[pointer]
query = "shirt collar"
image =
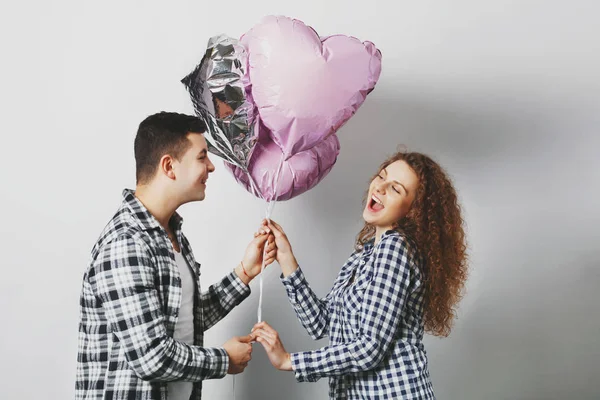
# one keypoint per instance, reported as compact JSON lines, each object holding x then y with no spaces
{"x":141,"y":214}
{"x":368,"y":247}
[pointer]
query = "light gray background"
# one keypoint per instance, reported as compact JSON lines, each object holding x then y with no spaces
{"x":504,"y":94}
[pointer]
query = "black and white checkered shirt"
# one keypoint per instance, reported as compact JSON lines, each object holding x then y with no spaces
{"x":129,"y":306}
{"x":373,"y":316}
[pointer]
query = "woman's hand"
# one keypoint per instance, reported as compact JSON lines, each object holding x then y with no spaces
{"x":284,"y":255}
{"x":269,"y":338}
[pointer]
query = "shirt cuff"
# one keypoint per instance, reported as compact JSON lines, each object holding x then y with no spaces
{"x":238,"y":290}
{"x":301,"y":365}
{"x":218,"y":361}
{"x":293,"y":282}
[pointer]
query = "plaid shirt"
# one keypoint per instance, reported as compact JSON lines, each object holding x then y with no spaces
{"x":129,"y":306}
{"x":374,"y":324}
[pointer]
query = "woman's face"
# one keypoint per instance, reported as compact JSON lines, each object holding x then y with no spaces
{"x":391,"y":194}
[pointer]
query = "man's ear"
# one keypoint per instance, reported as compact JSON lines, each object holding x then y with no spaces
{"x":165,"y":166}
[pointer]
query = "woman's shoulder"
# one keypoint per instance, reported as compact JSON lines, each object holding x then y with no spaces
{"x":395,"y":243}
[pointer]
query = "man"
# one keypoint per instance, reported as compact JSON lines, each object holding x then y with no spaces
{"x":143,"y":316}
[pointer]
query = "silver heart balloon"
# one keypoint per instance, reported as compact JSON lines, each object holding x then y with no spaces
{"x":217,"y":87}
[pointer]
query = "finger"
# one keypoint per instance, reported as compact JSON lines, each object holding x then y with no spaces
{"x":269,"y":341}
{"x":269,"y":329}
{"x":264,"y":336}
{"x":260,"y":241}
{"x":258,"y":325}
{"x":269,"y":261}
{"x":276,"y":225}
{"x":262,"y":332}
{"x":245,"y":339}
{"x":268,"y":346}
{"x":272,"y":253}
{"x":264,"y":226}
{"x":264,"y":325}
{"x":278,"y":233}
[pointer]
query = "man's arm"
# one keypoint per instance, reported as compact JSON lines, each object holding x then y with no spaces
{"x":123,"y":279}
{"x":222,"y":297}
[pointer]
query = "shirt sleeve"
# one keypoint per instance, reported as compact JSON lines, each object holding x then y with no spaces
{"x":312,"y":312}
{"x":221,"y":298}
{"x":123,"y":278}
{"x":380,"y":315}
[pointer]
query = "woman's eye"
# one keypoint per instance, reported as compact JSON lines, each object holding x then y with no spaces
{"x":396,"y":190}
{"x":380,"y":177}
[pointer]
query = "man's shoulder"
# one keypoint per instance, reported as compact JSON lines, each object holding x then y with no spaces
{"x":121,"y":226}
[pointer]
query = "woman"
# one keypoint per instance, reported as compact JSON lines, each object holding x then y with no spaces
{"x":405,"y":277}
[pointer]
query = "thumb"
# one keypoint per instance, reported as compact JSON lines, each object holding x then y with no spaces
{"x":277,"y":232}
{"x":246,"y":339}
{"x":259,"y":241}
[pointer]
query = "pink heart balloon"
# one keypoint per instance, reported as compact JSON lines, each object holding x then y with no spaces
{"x":298,"y":174}
{"x":305,"y":87}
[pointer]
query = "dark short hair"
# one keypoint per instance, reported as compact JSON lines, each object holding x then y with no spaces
{"x":160,"y":134}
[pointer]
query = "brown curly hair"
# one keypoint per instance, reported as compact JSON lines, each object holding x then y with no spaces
{"x":435,"y":224}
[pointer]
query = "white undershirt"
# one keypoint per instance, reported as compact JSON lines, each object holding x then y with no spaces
{"x":184,"y":328}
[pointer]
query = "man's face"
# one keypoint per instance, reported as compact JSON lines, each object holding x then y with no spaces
{"x":192,"y":169}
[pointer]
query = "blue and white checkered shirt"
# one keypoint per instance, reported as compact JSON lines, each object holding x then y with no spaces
{"x":373,"y":316}
{"x":129,"y":307}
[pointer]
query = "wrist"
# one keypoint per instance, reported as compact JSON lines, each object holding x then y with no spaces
{"x":287,"y":364}
{"x":288,"y":264}
{"x":242,"y":273}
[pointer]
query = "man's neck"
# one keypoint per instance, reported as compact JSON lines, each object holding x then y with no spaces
{"x":158,"y":202}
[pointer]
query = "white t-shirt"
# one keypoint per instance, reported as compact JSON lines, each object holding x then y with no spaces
{"x":184,"y":328}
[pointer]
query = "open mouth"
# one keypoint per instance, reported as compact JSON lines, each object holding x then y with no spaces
{"x":375,"y":204}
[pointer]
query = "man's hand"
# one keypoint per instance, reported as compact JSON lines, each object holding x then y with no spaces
{"x":253,"y":258}
{"x":239,"y":351}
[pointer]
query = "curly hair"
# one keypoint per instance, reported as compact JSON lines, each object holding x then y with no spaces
{"x":435,"y":224}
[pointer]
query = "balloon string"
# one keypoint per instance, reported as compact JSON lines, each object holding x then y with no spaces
{"x":269,"y":211}
{"x":270,"y":207}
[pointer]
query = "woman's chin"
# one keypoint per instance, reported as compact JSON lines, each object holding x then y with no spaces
{"x":368,"y":217}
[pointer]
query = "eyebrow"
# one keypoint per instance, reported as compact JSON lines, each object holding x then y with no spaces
{"x":403,"y":187}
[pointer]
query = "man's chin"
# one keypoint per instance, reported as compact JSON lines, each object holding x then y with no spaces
{"x":195,"y":197}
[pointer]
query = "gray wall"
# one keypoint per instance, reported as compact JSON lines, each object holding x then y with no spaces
{"x":504,"y":94}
